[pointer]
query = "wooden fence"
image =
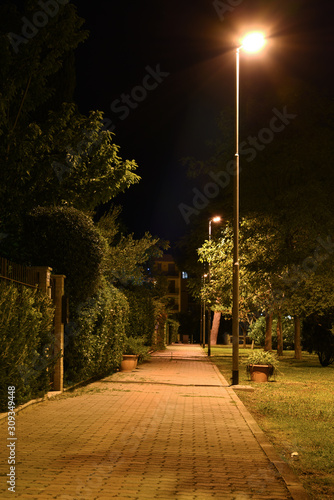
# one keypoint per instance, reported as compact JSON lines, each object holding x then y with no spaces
{"x":16,"y":273}
{"x":53,"y":287}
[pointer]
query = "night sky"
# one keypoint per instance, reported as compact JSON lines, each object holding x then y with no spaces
{"x":190,"y":45}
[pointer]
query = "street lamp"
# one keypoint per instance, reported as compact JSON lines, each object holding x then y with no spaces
{"x":252,"y":42}
{"x":214,"y":219}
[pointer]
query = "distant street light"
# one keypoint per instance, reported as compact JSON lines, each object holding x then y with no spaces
{"x":214,"y":219}
{"x":252,"y":42}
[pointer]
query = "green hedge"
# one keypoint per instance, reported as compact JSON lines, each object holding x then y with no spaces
{"x":95,"y":336}
{"x":66,"y":240}
{"x":318,"y":336}
{"x":142,"y":313}
{"x":26,"y":339}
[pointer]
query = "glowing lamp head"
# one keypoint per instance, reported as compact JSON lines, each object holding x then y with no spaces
{"x":216,"y":219}
{"x":253,"y":42}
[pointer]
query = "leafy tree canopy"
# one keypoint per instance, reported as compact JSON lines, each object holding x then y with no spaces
{"x":286,"y":186}
{"x":276,"y":274}
{"x":50,"y":154}
{"x":35,"y":75}
{"x":128,"y":259}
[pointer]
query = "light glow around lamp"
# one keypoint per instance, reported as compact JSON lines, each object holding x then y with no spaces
{"x":253,"y":42}
{"x":216,"y":219}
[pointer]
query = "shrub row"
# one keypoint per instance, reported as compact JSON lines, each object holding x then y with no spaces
{"x":26,"y":356}
{"x":101,"y":316}
{"x":142,"y":313}
{"x":94,"y":339}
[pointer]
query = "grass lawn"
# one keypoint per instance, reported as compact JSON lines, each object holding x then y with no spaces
{"x":296,"y":411}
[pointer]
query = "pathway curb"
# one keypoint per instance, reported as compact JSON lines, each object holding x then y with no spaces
{"x":291,"y":480}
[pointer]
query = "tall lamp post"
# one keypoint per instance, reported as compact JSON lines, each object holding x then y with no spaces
{"x":203,"y":312}
{"x":214,"y":219}
{"x":252,"y":42}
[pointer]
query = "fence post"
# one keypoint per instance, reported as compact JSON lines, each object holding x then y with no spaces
{"x":58,"y":376}
{"x":44,"y":279}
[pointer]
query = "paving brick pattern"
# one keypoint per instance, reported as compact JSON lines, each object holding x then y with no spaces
{"x":171,"y":429}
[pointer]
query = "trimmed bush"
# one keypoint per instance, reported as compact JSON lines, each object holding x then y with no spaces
{"x":66,"y":240}
{"x":324,"y":346}
{"x":173,"y":328}
{"x":95,"y":337}
{"x":318,"y":337}
{"x":26,"y":339}
{"x":142,"y":313}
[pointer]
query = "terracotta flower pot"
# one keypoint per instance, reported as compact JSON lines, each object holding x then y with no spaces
{"x":129,"y":362}
{"x":260,"y":373}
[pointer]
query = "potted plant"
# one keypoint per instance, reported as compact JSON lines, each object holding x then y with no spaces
{"x":261,"y":365}
{"x":134,"y":350}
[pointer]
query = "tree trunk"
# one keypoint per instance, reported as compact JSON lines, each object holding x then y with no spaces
{"x":244,"y":333}
{"x":268,"y":345}
{"x":215,"y":327}
{"x":298,"y":347}
{"x":279,"y":335}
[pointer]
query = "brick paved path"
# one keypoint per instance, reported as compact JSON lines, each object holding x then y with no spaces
{"x":171,"y":429}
